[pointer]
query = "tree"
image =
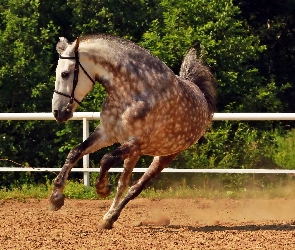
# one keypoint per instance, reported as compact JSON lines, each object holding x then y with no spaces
{"x":232,"y":51}
{"x":25,"y":71}
{"x":29,"y":31}
{"x":251,"y":60}
{"x":274,"y":22}
{"x":225,"y":43}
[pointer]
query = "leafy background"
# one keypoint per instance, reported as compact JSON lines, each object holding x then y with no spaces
{"x":248,"y":45}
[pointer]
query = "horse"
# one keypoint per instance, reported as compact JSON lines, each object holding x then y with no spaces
{"x":148,"y":110}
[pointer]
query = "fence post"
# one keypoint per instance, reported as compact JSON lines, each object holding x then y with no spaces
{"x":86,"y":157}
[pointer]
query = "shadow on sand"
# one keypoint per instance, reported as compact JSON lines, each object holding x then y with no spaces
{"x":249,"y":227}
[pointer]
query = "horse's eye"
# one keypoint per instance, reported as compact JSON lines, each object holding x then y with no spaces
{"x":65,"y":75}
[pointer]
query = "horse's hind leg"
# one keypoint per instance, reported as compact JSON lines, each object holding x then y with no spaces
{"x":94,"y":142}
{"x":124,"y":180}
{"x":129,"y":152}
{"x":158,"y":164}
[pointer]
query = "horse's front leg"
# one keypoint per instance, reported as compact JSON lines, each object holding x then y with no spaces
{"x":94,"y":142}
{"x":158,"y":164}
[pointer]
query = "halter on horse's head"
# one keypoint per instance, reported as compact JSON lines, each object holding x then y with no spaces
{"x":63,"y":76}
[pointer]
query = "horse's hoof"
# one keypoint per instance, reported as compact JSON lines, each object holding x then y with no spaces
{"x":105,"y":225}
{"x":103,"y":193}
{"x":56,"y":201}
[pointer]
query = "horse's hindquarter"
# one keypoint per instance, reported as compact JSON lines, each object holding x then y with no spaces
{"x":178,"y":121}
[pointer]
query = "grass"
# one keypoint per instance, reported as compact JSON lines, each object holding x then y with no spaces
{"x":284,"y":191}
{"x":285,"y":152}
{"x":76,"y":190}
{"x":25,"y":192}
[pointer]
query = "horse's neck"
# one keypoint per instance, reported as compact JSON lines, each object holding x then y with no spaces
{"x":101,"y":65}
{"x":126,"y":75}
{"x":113,"y":74}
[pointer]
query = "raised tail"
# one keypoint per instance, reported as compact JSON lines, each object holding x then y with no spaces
{"x":192,"y":69}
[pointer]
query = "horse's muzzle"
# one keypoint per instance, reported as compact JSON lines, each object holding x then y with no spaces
{"x":62,"y":115}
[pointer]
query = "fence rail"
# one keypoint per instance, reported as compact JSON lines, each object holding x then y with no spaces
{"x":96,"y":116}
{"x":87,"y":116}
{"x":47,"y":116}
{"x":166,"y":170}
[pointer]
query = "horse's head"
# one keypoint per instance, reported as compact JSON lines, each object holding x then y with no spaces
{"x":70,"y":86}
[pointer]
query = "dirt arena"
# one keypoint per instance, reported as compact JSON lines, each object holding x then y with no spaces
{"x":150,"y":224}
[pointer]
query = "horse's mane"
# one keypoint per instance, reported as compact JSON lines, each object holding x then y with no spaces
{"x":118,"y":40}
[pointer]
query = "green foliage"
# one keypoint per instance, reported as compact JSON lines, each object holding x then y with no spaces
{"x":248,"y":45}
{"x":76,"y":190}
{"x":230,"y":145}
{"x":26,"y":45}
{"x":26,"y":191}
{"x":127,"y":19}
{"x":25,"y":51}
{"x":274,"y":23}
{"x":224,"y":42}
{"x":284,"y":155}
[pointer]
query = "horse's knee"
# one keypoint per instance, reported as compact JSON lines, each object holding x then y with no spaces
{"x":75,"y":154}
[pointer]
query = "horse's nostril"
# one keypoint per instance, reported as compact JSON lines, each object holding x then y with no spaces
{"x":55,"y":113}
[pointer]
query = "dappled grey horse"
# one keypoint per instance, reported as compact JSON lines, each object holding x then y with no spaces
{"x":148,"y":110}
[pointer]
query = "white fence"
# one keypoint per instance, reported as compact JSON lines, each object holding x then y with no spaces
{"x":87,"y":116}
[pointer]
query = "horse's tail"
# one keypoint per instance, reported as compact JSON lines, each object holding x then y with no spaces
{"x":192,"y":69}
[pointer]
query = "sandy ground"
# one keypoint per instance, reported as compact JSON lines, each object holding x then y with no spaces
{"x":150,"y":224}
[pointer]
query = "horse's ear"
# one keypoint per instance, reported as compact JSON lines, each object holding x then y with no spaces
{"x":61,"y":45}
{"x":76,"y":44}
